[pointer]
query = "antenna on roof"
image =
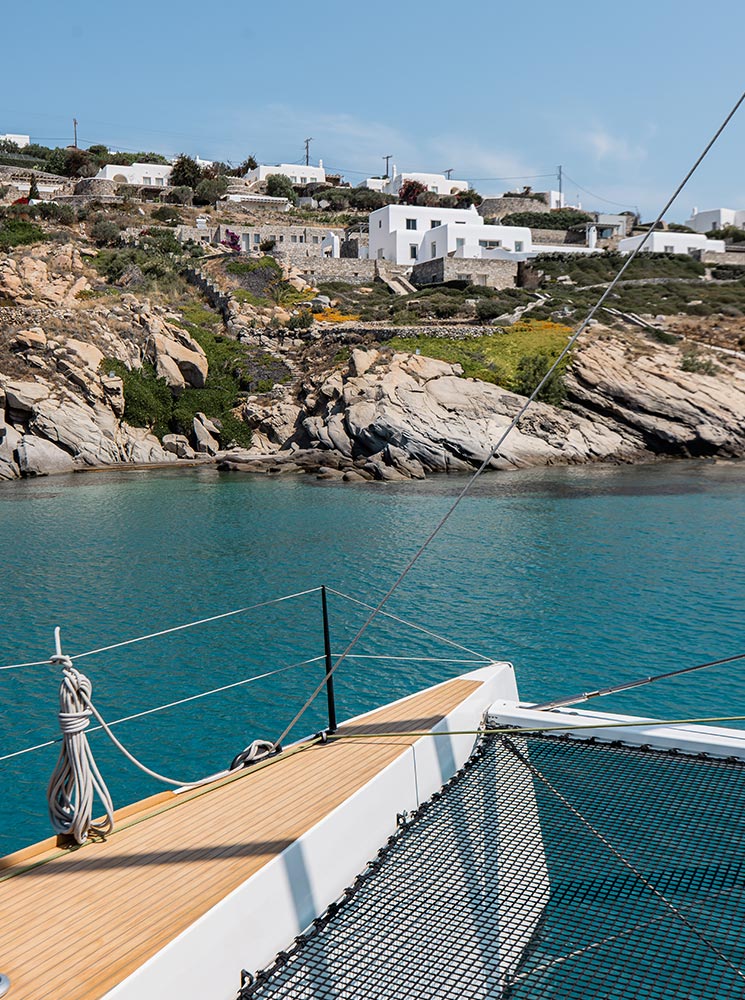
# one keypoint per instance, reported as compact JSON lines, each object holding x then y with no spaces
{"x":387,"y":161}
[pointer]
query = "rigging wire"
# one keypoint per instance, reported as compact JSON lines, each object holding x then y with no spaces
{"x":639,"y":682}
{"x":609,"y":201}
{"x":413,"y":560}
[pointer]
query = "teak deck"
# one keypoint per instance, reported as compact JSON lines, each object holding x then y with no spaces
{"x":77,"y":922}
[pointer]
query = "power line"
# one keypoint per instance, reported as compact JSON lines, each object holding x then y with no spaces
{"x":511,"y":426}
{"x":618,"y":204}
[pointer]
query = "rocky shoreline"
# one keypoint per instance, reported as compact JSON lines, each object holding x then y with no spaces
{"x":378,"y":416}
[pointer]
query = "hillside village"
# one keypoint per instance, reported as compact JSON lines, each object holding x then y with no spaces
{"x":155,"y":311}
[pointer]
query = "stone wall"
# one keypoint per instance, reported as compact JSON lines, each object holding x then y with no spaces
{"x":492,"y":273}
{"x":728,"y":257}
{"x":218,"y":299}
{"x":497,"y":208}
{"x":354,"y":272}
{"x":554,"y":236}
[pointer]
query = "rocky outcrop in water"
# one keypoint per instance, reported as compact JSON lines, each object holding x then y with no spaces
{"x":390,"y":415}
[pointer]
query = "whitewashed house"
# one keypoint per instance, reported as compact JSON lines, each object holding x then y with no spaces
{"x":410,"y":234}
{"x":436,"y":183}
{"x":140,"y":174}
{"x":667,"y":242}
{"x":297,"y":173}
{"x":716,"y":218}
{"x":19,"y":140}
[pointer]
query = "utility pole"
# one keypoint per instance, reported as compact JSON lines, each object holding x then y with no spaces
{"x":307,"y":151}
{"x":560,"y":175}
{"x":448,"y":172}
{"x":387,"y":161}
{"x":75,"y":131}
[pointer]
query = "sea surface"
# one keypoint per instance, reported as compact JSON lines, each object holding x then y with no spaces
{"x":582,"y":577}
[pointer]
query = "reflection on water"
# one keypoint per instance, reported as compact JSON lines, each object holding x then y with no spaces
{"x":580,"y":576}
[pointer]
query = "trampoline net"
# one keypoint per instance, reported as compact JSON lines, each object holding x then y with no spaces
{"x":547,"y":867}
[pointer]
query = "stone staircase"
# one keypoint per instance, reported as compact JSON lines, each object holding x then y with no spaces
{"x":397,"y":281}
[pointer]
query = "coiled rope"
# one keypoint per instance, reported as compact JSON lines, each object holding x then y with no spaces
{"x":76,"y":779}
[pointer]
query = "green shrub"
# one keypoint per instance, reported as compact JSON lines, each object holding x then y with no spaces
{"x":147,"y":398}
{"x":248,"y":266}
{"x":267,"y":245}
{"x":562,"y":218}
{"x":104,"y":232}
{"x":692,"y":361}
{"x":531,"y":368}
{"x":16,"y":232}
{"x":167,"y":215}
{"x":279,"y":186}
{"x":51,"y":211}
{"x":302,"y":320}
{"x":489,"y":309}
{"x":181,"y":194}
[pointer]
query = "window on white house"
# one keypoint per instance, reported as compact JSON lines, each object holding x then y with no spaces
{"x":159,"y":181}
{"x":490,"y":244}
{"x":669,"y":249}
{"x":413,"y":251}
{"x":518,"y":246}
{"x":460,"y":243}
{"x":411,"y":223}
{"x":147,"y":180}
{"x":435,"y":223}
{"x":434,"y":249}
{"x":380,"y":224}
{"x":692,"y":249}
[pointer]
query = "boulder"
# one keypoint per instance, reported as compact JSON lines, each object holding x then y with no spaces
{"x":29,"y":340}
{"x":178,"y":445}
{"x":167,"y":369}
{"x":38,"y":457}
{"x":24,"y":396}
{"x":191,"y":363}
{"x":9,"y":441}
{"x":206,"y":444}
{"x":84,"y":354}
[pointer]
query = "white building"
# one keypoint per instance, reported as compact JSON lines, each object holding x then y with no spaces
{"x":666,"y":242}
{"x":141,"y":174}
{"x":436,"y":183}
{"x":19,"y":140}
{"x":298,"y":173}
{"x":411,"y":234}
{"x":716,"y":218}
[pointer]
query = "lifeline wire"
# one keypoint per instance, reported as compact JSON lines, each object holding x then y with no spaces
{"x":170,"y":704}
{"x":168,"y":631}
{"x":511,"y":426}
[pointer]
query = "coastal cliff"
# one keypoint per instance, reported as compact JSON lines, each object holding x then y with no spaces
{"x":365,"y":411}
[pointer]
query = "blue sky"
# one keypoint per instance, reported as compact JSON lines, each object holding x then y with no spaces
{"x":623,"y":95}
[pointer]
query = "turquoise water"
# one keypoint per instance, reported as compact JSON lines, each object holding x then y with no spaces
{"x":582,"y":577}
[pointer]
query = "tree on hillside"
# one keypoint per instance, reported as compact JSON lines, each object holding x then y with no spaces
{"x":209,"y":190}
{"x":33,"y":191}
{"x":250,"y":163}
{"x":463,"y":199}
{"x":410,"y":191}
{"x":279,"y":186}
{"x":186,"y":172}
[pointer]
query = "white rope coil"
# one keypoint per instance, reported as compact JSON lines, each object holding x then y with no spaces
{"x":76,"y":780}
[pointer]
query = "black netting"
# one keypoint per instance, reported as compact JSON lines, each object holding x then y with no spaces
{"x":503,"y":887}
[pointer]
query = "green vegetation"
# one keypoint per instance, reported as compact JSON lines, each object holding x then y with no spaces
{"x":732,"y":234}
{"x":186,"y":172}
{"x":168,"y":215}
{"x":302,"y":320}
{"x":249,"y":266}
{"x":147,"y":399}
{"x":692,"y":361}
{"x":592,"y":269}
{"x":105,"y":232}
{"x":209,"y":190}
{"x":561,"y":218}
{"x":515,"y":358}
{"x":279,"y":186}
{"x":15,"y":232}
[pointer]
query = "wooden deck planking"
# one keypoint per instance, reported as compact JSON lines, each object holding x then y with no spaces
{"x":75,"y":925}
